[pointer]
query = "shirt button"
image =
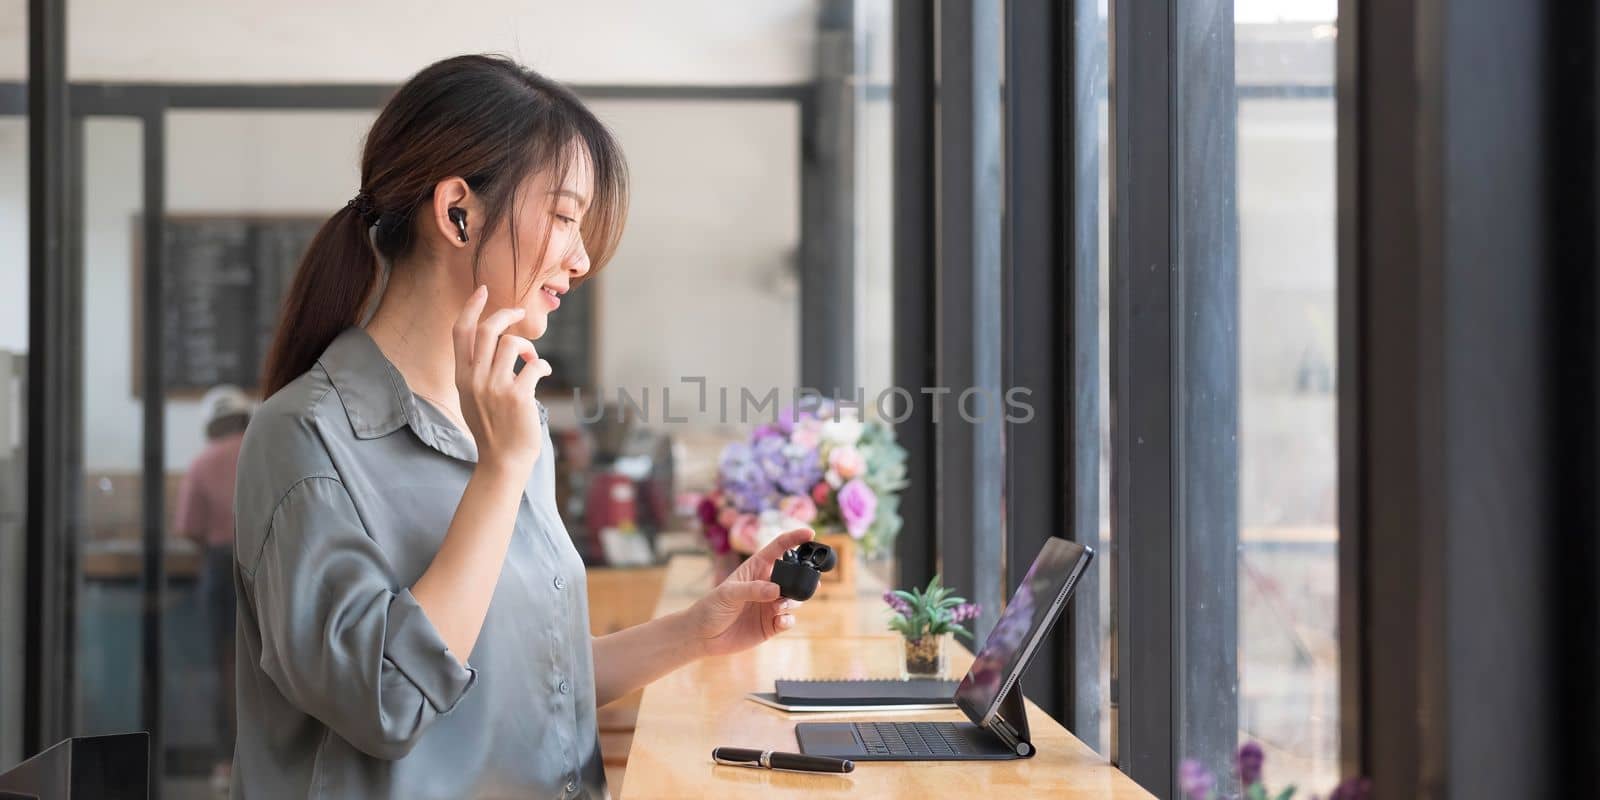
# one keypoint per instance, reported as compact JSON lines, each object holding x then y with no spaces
{"x":562,"y":687}
{"x":561,"y":583}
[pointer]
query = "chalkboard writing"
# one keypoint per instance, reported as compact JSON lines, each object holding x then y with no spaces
{"x":222,"y":290}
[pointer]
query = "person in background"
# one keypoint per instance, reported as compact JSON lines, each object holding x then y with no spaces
{"x":205,"y":515}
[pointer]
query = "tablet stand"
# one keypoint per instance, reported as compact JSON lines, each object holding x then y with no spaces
{"x":1010,"y":722}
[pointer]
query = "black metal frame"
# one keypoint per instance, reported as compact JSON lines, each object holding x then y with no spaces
{"x":1174,"y":384}
{"x":1144,"y":564}
{"x":154,"y":440}
{"x":916,"y":550}
{"x":827,"y":198}
{"x":1467,"y":240}
{"x":52,"y":383}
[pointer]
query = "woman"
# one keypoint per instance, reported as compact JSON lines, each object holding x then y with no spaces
{"x":412,"y":613}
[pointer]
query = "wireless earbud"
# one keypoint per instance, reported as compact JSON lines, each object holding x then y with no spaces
{"x":800,"y":570}
{"x":459,"y":217}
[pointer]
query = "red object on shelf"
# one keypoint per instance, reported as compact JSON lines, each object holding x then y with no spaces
{"x":613,"y":502}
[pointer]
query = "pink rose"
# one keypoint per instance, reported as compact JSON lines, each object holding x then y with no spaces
{"x":799,"y":508}
{"x":859,"y":507}
{"x":745,"y":534}
{"x":805,"y":437}
{"x":821,"y":494}
{"x":847,"y":461}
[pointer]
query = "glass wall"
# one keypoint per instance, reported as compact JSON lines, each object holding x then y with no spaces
{"x":112,"y":487}
{"x":13,"y":371}
{"x":1288,"y":521}
{"x":707,"y":281}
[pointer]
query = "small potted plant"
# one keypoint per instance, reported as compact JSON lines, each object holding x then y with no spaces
{"x":924,"y":618}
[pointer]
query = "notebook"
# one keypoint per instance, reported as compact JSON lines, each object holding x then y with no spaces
{"x":865,"y":692}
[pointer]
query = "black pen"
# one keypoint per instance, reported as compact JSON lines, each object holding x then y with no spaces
{"x":791,"y":762}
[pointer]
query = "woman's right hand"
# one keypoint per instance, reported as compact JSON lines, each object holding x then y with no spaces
{"x":496,"y":401}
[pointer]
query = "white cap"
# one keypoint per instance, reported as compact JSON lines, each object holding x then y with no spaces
{"x":225,"y":401}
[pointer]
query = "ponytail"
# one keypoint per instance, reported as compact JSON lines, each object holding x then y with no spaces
{"x":331,"y":286}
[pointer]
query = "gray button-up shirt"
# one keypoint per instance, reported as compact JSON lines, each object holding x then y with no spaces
{"x":347,"y":484}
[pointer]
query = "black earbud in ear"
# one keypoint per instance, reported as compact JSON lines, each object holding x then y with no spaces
{"x":800,"y":570}
{"x":459,"y":217}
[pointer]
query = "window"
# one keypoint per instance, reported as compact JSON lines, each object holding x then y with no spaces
{"x":13,"y":369}
{"x":1288,"y":485}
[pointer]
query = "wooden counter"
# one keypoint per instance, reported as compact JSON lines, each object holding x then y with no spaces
{"x":838,"y":634}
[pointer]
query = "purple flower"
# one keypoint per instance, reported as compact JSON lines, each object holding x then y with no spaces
{"x":964,"y":612}
{"x":1352,"y":789}
{"x":789,"y":467}
{"x":859,"y":507}
{"x":744,"y":483}
{"x":1249,"y":762}
{"x":899,"y":605}
{"x":810,"y":408}
{"x":1194,"y":780}
{"x":765,"y":430}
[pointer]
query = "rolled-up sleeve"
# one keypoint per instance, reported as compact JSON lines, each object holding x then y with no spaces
{"x":341,"y":638}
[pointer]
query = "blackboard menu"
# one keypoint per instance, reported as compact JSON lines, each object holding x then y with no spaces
{"x":222,"y":284}
{"x":222,"y":290}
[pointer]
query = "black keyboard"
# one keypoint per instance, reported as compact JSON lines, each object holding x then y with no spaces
{"x":913,"y":738}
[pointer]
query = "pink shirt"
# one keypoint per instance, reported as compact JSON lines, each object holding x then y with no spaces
{"x":205,"y":498}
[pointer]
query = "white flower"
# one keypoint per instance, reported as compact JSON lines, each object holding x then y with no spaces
{"x":774,"y":522}
{"x":844,"y":430}
{"x":833,"y":478}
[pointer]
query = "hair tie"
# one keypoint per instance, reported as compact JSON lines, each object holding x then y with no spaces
{"x":362,"y":204}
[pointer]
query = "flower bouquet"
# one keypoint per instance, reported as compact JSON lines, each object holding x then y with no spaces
{"x":817,"y":465}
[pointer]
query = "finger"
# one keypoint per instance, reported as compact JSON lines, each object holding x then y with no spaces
{"x":750,"y":591}
{"x":467,"y":325}
{"x":488,"y":335}
{"x":784,"y":542}
{"x":528,"y":379}
{"x":783,"y":622}
{"x":509,"y":348}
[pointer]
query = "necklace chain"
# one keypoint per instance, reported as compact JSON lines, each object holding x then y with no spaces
{"x":445,"y":409}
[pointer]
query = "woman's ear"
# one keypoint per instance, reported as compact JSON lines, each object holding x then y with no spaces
{"x":451,"y":193}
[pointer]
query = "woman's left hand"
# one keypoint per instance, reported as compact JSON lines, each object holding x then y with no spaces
{"x":745,"y":610}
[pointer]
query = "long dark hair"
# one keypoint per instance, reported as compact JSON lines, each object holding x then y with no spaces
{"x":482,"y":118}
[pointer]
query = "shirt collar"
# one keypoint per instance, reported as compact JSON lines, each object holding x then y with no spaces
{"x":377,"y":400}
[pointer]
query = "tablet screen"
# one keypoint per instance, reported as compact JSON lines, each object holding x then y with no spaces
{"x":1026,"y":620}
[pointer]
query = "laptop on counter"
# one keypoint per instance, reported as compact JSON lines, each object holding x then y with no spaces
{"x":989,"y":695}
